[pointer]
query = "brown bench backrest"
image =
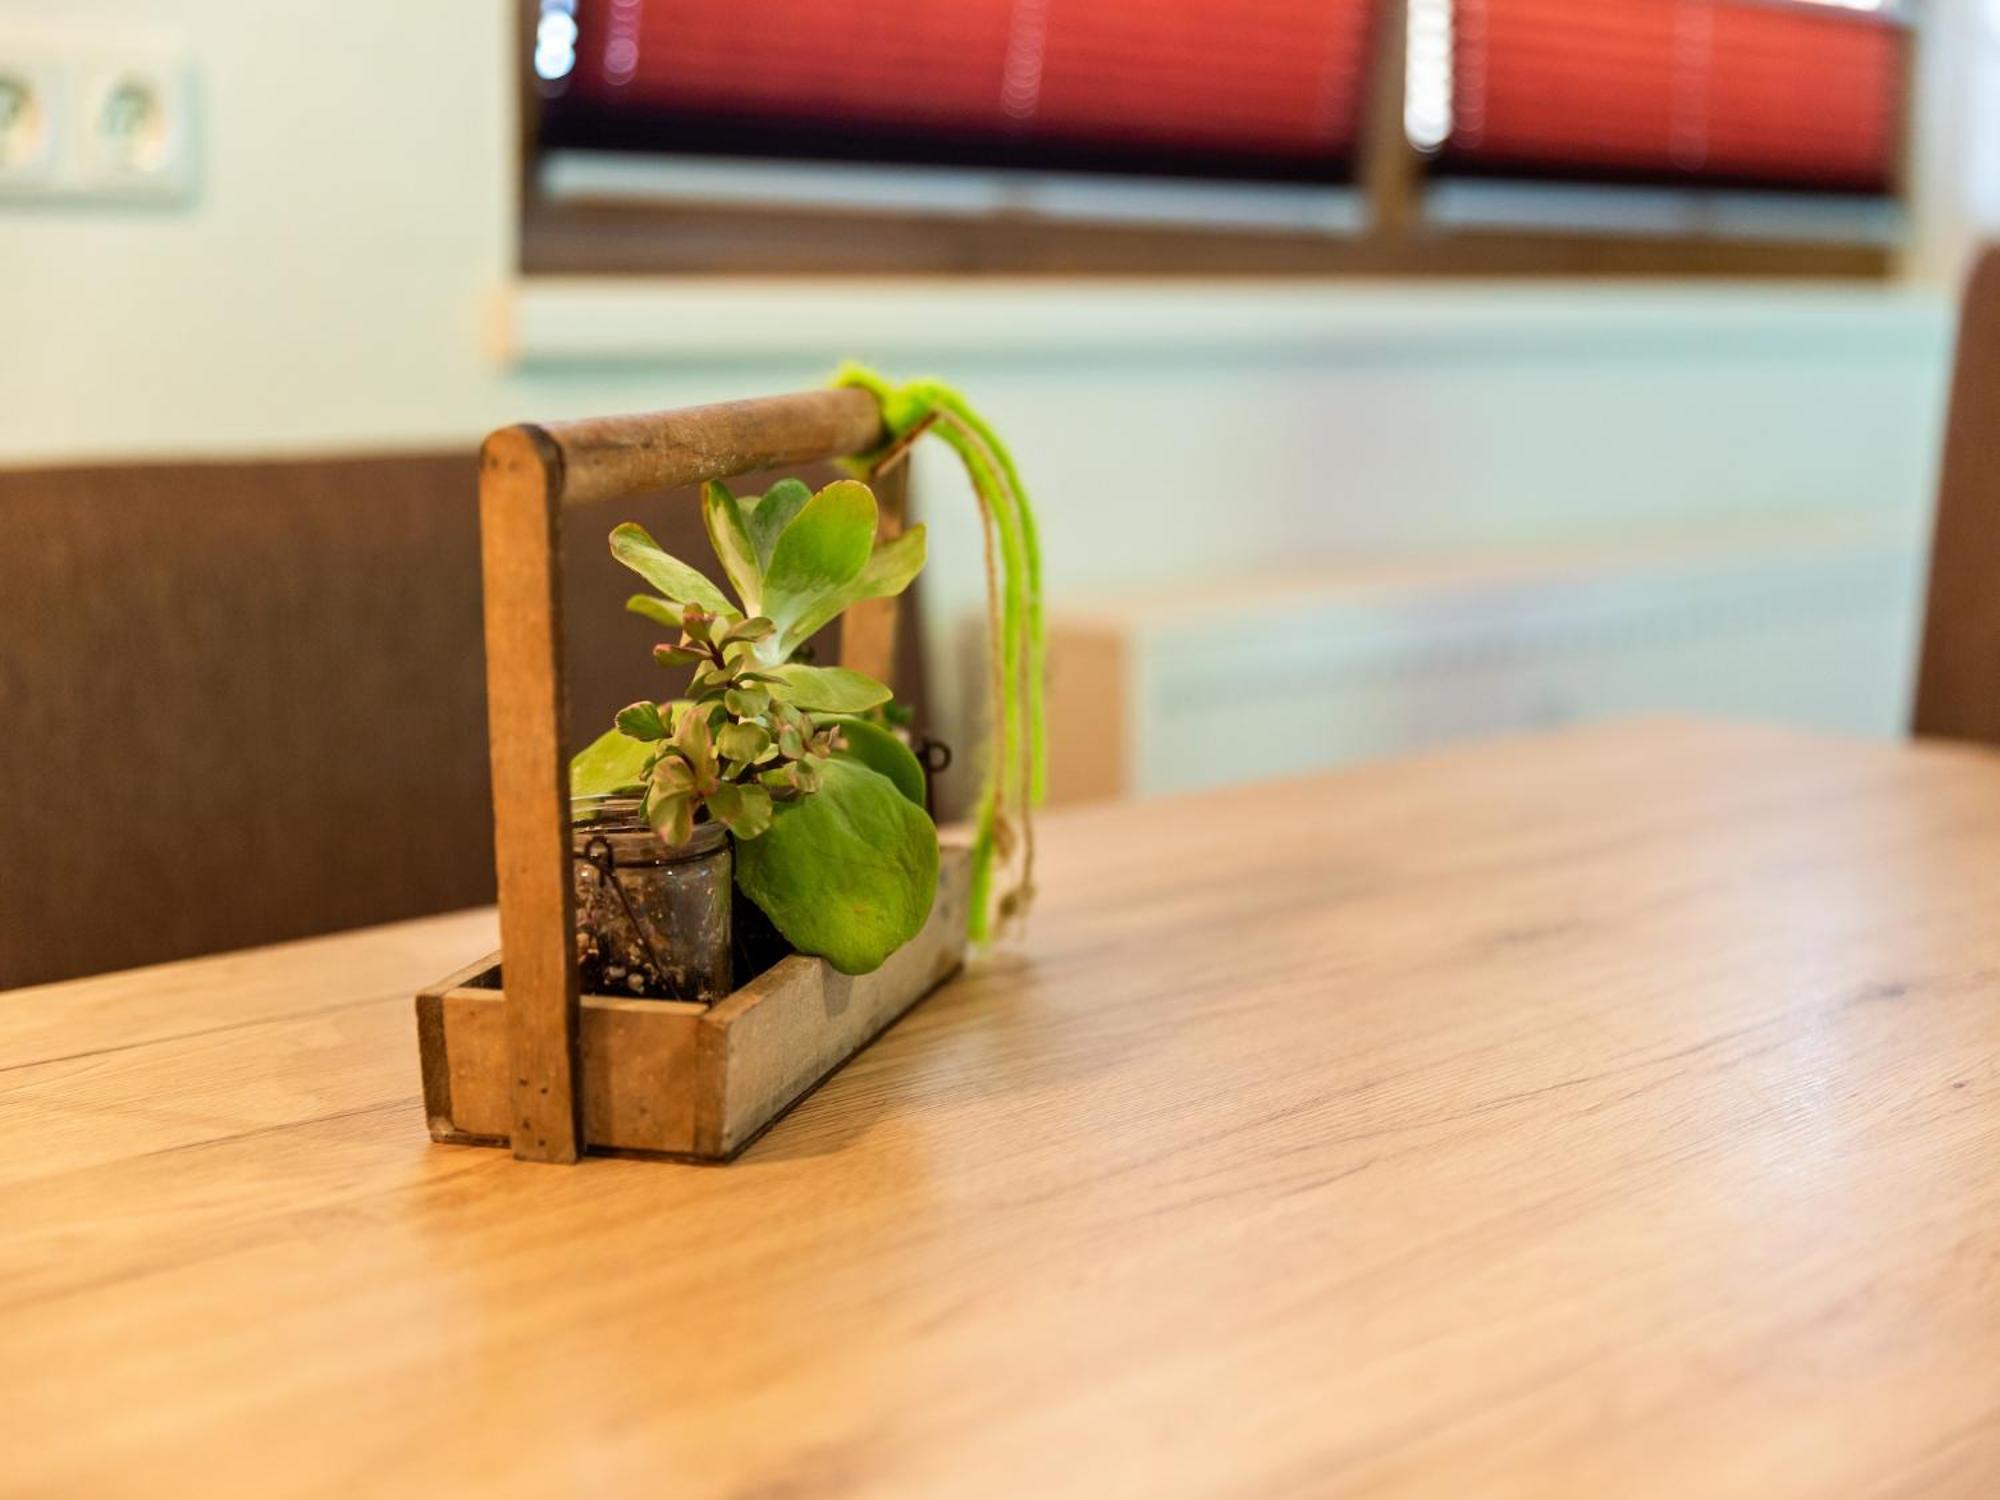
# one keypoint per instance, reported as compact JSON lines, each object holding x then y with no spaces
{"x":245,"y":702}
{"x":1958,"y":681}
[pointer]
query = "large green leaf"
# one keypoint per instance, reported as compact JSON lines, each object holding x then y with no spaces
{"x":730,"y":538}
{"x":880,"y":751}
{"x":829,"y":690}
{"x":848,"y":873}
{"x":766,"y":519}
{"x":822,"y":551}
{"x":888,"y":571}
{"x":633,"y":546}
{"x":613,"y":762}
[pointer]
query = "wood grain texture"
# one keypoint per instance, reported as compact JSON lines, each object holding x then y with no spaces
{"x":665,"y":1077}
{"x":1958,"y":677}
{"x":179,"y":586}
{"x":520,"y":482}
{"x":1607,"y":1114}
{"x":774,"y":1040}
{"x":608,"y":457}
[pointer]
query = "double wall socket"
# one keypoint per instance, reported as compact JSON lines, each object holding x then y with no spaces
{"x":93,"y":119}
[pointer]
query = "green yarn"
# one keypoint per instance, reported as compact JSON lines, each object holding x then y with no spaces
{"x":1010,"y":778}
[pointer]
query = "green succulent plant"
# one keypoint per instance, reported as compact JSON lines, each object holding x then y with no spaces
{"x":826,"y":809}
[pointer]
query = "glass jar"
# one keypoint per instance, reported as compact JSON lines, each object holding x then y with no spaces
{"x":652,"y":919}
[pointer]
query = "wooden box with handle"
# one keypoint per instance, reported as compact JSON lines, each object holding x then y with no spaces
{"x":512,"y":1053}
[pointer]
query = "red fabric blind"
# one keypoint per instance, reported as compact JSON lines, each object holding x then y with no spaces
{"x":1712,"y":90}
{"x":1269,"y":78}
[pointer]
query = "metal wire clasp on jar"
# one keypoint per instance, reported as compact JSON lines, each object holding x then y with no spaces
{"x":652,"y":919}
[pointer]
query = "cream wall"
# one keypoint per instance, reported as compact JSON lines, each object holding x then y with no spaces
{"x":330,"y":283}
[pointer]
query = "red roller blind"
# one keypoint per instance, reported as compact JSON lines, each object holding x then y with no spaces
{"x":1712,"y":90}
{"x":1267,"y":78}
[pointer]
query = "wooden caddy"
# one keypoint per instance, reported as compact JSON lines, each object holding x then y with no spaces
{"x":535,"y":1064}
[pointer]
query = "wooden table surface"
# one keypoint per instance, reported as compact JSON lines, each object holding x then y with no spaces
{"x":1615,"y":1113}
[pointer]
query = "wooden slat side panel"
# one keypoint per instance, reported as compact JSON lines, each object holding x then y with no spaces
{"x":1958,"y":682}
{"x":435,"y":1061}
{"x":520,"y":473}
{"x":774,"y":1042}
{"x":640,"y":1074}
{"x":792,"y":988}
{"x":473,"y":1025}
{"x":608,"y":457}
{"x":434,"y":1050}
{"x":480,"y":974}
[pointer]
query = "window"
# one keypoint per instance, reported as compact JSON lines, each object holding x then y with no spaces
{"x":1743,"y":93}
{"x":1269,"y":136}
{"x":1257,"y":89}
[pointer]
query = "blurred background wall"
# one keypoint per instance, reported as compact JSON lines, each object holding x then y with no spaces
{"x":343,"y":279}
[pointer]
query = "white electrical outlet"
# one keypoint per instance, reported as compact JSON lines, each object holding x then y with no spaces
{"x":94,"y":118}
{"x":34,"y":123}
{"x":134,"y":127}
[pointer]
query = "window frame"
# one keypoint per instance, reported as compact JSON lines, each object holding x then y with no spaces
{"x":578,"y":234}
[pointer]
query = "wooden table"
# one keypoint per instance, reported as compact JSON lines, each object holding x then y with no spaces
{"x":1614,"y":1113}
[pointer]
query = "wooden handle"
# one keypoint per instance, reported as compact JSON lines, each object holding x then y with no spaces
{"x":608,"y":458}
{"x":527,"y":474}
{"x":521,"y":568}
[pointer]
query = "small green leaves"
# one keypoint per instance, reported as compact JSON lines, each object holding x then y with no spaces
{"x":671,"y":774}
{"x":744,"y":810}
{"x":743,"y":742}
{"x":659,"y":611}
{"x":800,"y":776}
{"x":676,"y":656}
{"x":747,"y":702}
{"x":696,"y":746}
{"x":697,"y":625}
{"x":671,"y":815}
{"x":755,"y":817}
{"x":756,"y":628}
{"x":642,"y":721}
{"x":730,"y":537}
{"x":833,"y":690}
{"x":633,"y":546}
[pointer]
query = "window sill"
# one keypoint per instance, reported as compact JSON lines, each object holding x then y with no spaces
{"x":554,"y":322}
